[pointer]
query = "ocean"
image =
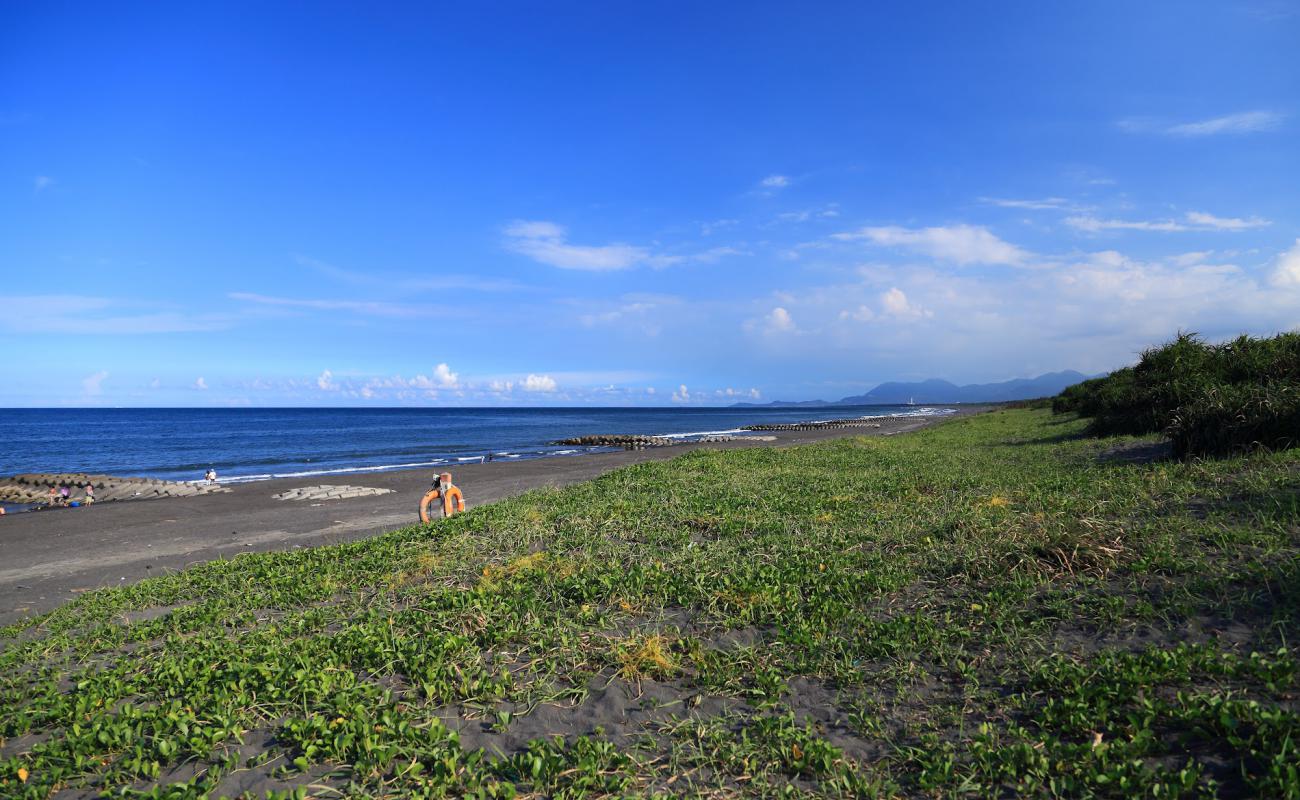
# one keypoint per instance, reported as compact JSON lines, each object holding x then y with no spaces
{"x":258,"y":444}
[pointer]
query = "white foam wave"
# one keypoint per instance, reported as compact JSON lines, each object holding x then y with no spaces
{"x":339,"y":471}
{"x":729,"y":431}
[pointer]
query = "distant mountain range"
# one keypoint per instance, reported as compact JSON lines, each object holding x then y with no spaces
{"x":940,"y":391}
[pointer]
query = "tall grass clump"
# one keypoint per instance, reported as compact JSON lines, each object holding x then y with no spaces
{"x":1209,"y":399}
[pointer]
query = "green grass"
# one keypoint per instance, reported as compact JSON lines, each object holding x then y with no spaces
{"x":986,"y":607}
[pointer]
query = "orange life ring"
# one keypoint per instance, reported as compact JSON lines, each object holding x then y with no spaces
{"x":452,"y":500}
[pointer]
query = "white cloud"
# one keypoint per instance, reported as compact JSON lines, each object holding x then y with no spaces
{"x":1045,"y":204}
{"x":1095,"y":225}
{"x":524,"y":229}
{"x":1286,"y":272}
{"x":445,"y":377}
{"x":895,"y":303}
{"x":681,"y":395}
{"x":200,"y":383}
{"x":545,"y":242}
{"x":325,"y":382}
{"x":1205,"y":220}
{"x":1193,"y":220}
{"x":960,"y":244}
{"x":501,"y":387}
{"x":862,"y":313}
{"x":91,"y":384}
{"x":539,"y":383}
{"x":1246,"y":122}
{"x":775,"y":182}
{"x":779,"y":321}
{"x":372,"y":308}
{"x":650,"y":390}
{"x":42,"y":182}
{"x":155,"y":384}
{"x":828,"y":212}
{"x":732,"y":393}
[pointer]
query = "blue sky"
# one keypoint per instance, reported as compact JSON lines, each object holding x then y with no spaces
{"x":501,"y":204}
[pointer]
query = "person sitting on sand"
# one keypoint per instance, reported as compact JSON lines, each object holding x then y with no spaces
{"x":65,"y":494}
{"x":90,"y":494}
{"x":53,"y":498}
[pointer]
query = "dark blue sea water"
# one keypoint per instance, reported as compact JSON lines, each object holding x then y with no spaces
{"x":256,"y":444}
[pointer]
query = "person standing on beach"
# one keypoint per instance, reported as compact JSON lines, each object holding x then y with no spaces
{"x":53,"y":497}
{"x":211,"y":476}
{"x":90,"y":494}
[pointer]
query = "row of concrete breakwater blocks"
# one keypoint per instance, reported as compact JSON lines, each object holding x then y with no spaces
{"x":35,"y":487}
{"x":813,"y":426}
{"x":643,"y":442}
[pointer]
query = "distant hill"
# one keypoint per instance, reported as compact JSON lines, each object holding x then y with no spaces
{"x":940,"y":391}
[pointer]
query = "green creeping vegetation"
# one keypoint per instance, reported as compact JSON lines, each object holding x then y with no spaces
{"x":1209,"y":399}
{"x":986,"y":607}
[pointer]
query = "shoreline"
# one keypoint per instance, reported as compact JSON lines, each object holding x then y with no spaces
{"x":56,"y":555}
{"x":152,"y":465}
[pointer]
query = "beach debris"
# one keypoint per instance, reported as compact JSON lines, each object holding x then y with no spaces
{"x":327,"y":492}
{"x":813,"y":426}
{"x":443,"y":489}
{"x":35,"y":487}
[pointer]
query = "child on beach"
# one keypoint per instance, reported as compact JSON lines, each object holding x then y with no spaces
{"x":90,"y":494}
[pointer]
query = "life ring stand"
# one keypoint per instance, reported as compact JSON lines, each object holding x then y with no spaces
{"x":443,"y":489}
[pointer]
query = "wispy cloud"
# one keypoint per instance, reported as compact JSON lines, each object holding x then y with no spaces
{"x":366,"y":307}
{"x":82,"y":315}
{"x":829,"y":211}
{"x":1204,"y":220}
{"x":1240,"y":123}
{"x":959,"y":244}
{"x":1191,"y":221}
{"x":406,"y":282}
{"x":775,"y":182}
{"x":42,"y":182}
{"x":547,"y":242}
{"x":713,"y":226}
{"x":1096,"y":224}
{"x":1045,"y":204}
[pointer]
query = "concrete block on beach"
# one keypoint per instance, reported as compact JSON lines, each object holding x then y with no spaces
{"x":326,"y":492}
{"x":35,"y":487}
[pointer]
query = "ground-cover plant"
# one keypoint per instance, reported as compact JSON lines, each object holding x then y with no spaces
{"x":1209,"y":399}
{"x":986,"y":607}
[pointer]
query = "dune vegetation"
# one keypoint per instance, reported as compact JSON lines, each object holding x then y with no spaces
{"x":1210,"y":400}
{"x":993,"y":606}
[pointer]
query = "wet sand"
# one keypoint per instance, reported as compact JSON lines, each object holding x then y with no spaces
{"x":50,"y":557}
